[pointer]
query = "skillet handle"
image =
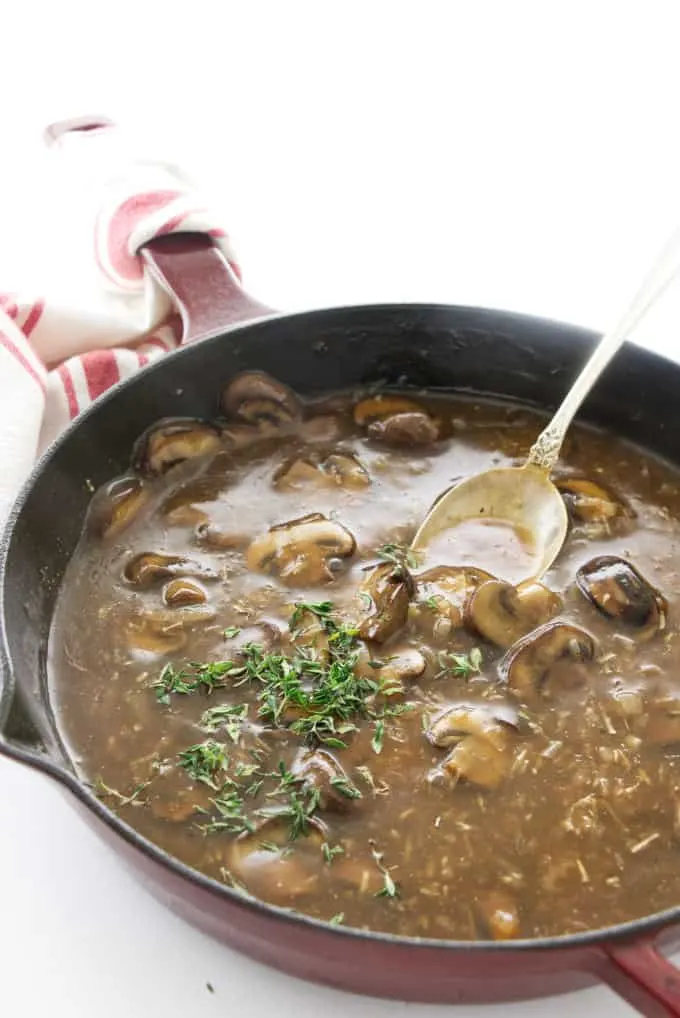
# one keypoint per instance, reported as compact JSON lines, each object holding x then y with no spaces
{"x":26,"y":737}
{"x":198,"y":279}
{"x":639,"y":973}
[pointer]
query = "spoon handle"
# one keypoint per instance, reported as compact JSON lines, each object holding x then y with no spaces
{"x":546,"y":449}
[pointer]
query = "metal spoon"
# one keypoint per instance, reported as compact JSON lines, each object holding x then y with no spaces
{"x":524,"y":498}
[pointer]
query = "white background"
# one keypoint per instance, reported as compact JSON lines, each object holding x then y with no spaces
{"x":522,"y":155}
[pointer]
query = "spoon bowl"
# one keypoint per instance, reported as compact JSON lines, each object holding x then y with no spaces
{"x":523,"y":498}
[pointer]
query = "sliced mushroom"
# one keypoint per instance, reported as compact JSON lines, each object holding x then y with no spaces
{"x":336,"y":470}
{"x":590,"y":502}
{"x":619,"y":591}
{"x":442,"y":594}
{"x":498,"y":915}
{"x":402,"y":666}
{"x":494,"y":722}
{"x":174,"y":441}
{"x":272,"y":868}
{"x":481,"y":741}
{"x":299,"y":473}
{"x":302,"y":551}
{"x":118,"y":505}
{"x":503,"y":614}
{"x":405,"y":430}
{"x":180,"y":593}
{"x":384,"y":599}
{"x":150,"y":567}
{"x":378,"y":407}
{"x":547,"y":660}
{"x":257,"y":399}
{"x":346,"y":470}
{"x":165,"y":631}
{"x":318,"y":769}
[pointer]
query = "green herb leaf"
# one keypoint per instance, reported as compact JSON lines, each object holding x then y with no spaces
{"x":378,"y":736}
{"x":204,"y":761}
{"x":330,"y":852}
{"x":106,"y":792}
{"x":398,"y":554}
{"x":230,"y":632}
{"x":225,"y":715}
{"x":461,"y":665}
{"x":389,"y":888}
{"x":184,"y":681}
{"x":336,"y":919}
{"x":346,"y":788}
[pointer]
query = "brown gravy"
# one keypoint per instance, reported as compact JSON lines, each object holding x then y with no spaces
{"x":471,"y":807}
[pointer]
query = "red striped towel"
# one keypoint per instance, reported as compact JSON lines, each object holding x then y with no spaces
{"x":55,"y":358}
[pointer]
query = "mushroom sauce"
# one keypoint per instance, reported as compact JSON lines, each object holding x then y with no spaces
{"x":251,"y":668}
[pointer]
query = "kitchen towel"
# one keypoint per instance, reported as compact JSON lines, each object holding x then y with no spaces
{"x":59,"y":354}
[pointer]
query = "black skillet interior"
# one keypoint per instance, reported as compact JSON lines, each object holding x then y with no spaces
{"x":525,"y":359}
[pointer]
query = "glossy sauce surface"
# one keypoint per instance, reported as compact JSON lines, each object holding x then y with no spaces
{"x":577,"y":827}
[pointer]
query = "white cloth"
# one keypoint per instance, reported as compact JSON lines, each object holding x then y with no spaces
{"x":59,"y":354}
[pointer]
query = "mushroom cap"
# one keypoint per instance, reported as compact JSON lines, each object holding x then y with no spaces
{"x":336,"y":470}
{"x":619,"y":591}
{"x":263,"y":860}
{"x":148,"y":567}
{"x":384,"y":598}
{"x":318,"y":769}
{"x":591,"y":502}
{"x":481,"y":739}
{"x":164,"y":631}
{"x":181,"y":592}
{"x":299,"y":550}
{"x":498,"y":915}
{"x":405,"y":430}
{"x":551,"y":655}
{"x":172,"y":441}
{"x":493,"y":722}
{"x":504,"y":614}
{"x":402,"y":665}
{"x":117,"y":506}
{"x":257,"y":398}
{"x":450,"y":587}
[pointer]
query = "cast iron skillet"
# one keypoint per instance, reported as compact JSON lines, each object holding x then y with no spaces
{"x":526,"y":359}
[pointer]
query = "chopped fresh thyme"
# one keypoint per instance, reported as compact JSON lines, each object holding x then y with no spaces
{"x":330,"y":851}
{"x":430,"y":602}
{"x":322,"y":609}
{"x":106,"y":792}
{"x":230,"y":632}
{"x":299,"y":808}
{"x":229,"y":809}
{"x":225,"y":715}
{"x":461,"y":665}
{"x":398,"y":554}
{"x":204,"y":761}
{"x":346,"y":788}
{"x":183,"y":681}
{"x":378,"y":736}
{"x":389,"y":888}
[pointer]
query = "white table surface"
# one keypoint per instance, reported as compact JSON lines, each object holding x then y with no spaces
{"x":517,"y":155}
